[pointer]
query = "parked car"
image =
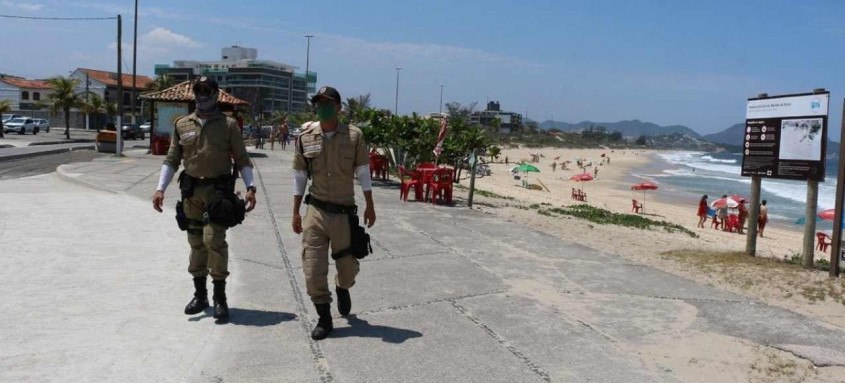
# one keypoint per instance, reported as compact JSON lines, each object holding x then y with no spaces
{"x":21,"y":125}
{"x":8,"y":117}
{"x":131,"y":132}
{"x":145,"y":128}
{"x":42,"y":124}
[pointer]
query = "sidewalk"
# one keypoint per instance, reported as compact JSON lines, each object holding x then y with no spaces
{"x":98,"y":282}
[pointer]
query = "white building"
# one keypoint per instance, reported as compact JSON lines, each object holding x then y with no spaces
{"x":23,"y":94}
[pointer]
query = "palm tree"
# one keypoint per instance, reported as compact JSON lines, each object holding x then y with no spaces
{"x":93,"y":104}
{"x":161,"y":82}
{"x":63,"y":97}
{"x":111,"y":111}
{"x":355,"y":106}
{"x":5,"y":107}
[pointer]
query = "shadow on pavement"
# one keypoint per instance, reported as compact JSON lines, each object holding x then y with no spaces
{"x":361,"y":328}
{"x":256,"y":155}
{"x":246,"y":317}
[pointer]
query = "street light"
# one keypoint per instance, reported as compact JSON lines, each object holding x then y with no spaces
{"x":441,"y":99}
{"x":307,"y":64}
{"x":396,"y":107}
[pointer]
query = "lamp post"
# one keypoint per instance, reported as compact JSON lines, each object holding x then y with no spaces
{"x":134,"y":62}
{"x":441,"y":99}
{"x":307,"y":65}
{"x":396,"y":106}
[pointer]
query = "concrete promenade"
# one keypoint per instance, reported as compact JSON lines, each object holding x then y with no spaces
{"x":95,"y":281}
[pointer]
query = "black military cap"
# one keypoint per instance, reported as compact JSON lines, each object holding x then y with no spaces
{"x":326,"y":92}
{"x":205,"y":82}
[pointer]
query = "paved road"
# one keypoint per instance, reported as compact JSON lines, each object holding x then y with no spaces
{"x":31,"y":166}
{"x":55,"y":135}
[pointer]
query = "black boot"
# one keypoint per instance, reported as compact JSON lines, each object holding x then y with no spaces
{"x":324,"y":324}
{"x":221,"y":308}
{"x":200,"y":301}
{"x":344,"y":301}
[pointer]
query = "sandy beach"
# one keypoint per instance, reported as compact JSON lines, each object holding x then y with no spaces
{"x":611,"y":190}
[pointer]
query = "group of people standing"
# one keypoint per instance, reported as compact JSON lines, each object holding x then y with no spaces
{"x":721,"y":215}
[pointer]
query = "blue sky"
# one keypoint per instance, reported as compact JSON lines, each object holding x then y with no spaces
{"x":670,"y":62}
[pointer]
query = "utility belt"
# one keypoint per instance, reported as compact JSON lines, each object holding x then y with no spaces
{"x":359,"y":240}
{"x":331,"y":208}
{"x":223,"y":207}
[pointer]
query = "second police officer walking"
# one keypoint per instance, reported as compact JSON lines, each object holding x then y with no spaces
{"x":206,"y":142}
{"x":331,"y":154}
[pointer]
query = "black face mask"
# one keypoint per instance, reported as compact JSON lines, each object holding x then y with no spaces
{"x":206,"y":102}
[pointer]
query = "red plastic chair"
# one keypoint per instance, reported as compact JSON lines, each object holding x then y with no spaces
{"x":636,"y":206}
{"x":733,"y":223}
{"x":410,"y":180}
{"x":823,"y":241}
{"x":440,"y":186}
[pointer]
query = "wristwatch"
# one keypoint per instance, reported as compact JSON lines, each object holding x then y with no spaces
{"x":252,"y":189}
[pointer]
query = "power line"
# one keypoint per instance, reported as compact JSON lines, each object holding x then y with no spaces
{"x":57,"y":18}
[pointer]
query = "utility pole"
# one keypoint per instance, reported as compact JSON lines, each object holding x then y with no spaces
{"x":307,"y":65}
{"x":754,"y":212}
{"x":87,"y":97}
{"x":396,"y":106}
{"x":134,"y":61}
{"x":835,"y":246}
{"x":119,"y":125}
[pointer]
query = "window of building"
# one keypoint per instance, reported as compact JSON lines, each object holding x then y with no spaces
{"x":24,"y":95}
{"x":36,"y":96}
{"x":126,"y":99}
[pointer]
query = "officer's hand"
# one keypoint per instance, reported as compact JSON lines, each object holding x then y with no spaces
{"x":369,"y":216}
{"x":297,"y":224}
{"x":158,"y":200}
{"x":250,"y":200}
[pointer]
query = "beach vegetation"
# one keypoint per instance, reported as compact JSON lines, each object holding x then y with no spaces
{"x":602,"y":216}
{"x":63,"y":98}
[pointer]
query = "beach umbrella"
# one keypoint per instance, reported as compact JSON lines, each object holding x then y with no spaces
{"x":724,"y":202}
{"x":525,"y":168}
{"x":827,"y":215}
{"x":644,"y":186}
{"x":583,"y":177}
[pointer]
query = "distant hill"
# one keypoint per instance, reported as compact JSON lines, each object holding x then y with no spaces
{"x":731,"y":136}
{"x":628,"y":128}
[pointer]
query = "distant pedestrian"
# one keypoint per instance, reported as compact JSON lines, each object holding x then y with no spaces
{"x":743,"y":216}
{"x":596,"y":172}
{"x":554,"y":166}
{"x":763,"y":219}
{"x":506,"y":160}
{"x":722,"y":214}
{"x":283,"y":132}
{"x":702,"y":211}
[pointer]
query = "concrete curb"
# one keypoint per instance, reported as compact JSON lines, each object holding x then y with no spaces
{"x":73,"y":141}
{"x":44,"y":152}
{"x":65,"y":175}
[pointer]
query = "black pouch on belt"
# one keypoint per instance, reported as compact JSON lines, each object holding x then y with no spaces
{"x":181,"y":218}
{"x":359,"y":241}
{"x":186,"y":185}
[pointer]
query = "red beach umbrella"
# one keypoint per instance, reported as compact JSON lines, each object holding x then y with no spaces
{"x":724,"y":202}
{"x":827,"y":215}
{"x":583,"y":177}
{"x":644,"y":186}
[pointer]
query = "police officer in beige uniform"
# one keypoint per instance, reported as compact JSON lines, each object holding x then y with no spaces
{"x":205,"y":142}
{"x":332,"y":154}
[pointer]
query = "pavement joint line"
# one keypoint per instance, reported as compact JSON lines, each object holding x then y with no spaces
{"x":320,"y":362}
{"x":395,"y":257}
{"x":682,"y":299}
{"x":802,"y":357}
{"x":430,"y":302}
{"x":503,"y":342}
{"x":141,"y":180}
{"x":260,"y":263}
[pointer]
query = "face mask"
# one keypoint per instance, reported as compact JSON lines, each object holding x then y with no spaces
{"x":206,"y":103}
{"x":326,"y":112}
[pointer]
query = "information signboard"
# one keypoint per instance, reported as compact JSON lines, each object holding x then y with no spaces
{"x":786,"y":136}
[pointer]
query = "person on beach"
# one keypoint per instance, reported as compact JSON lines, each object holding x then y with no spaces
{"x":763,"y":219}
{"x":596,"y":172}
{"x":554,"y":166}
{"x":743,"y":215}
{"x":722,"y":214}
{"x":702,"y":211}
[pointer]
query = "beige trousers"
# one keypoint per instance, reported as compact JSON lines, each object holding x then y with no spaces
{"x":209,"y":250}
{"x":323,"y":232}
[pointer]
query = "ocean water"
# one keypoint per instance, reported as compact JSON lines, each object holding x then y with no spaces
{"x":688,"y":175}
